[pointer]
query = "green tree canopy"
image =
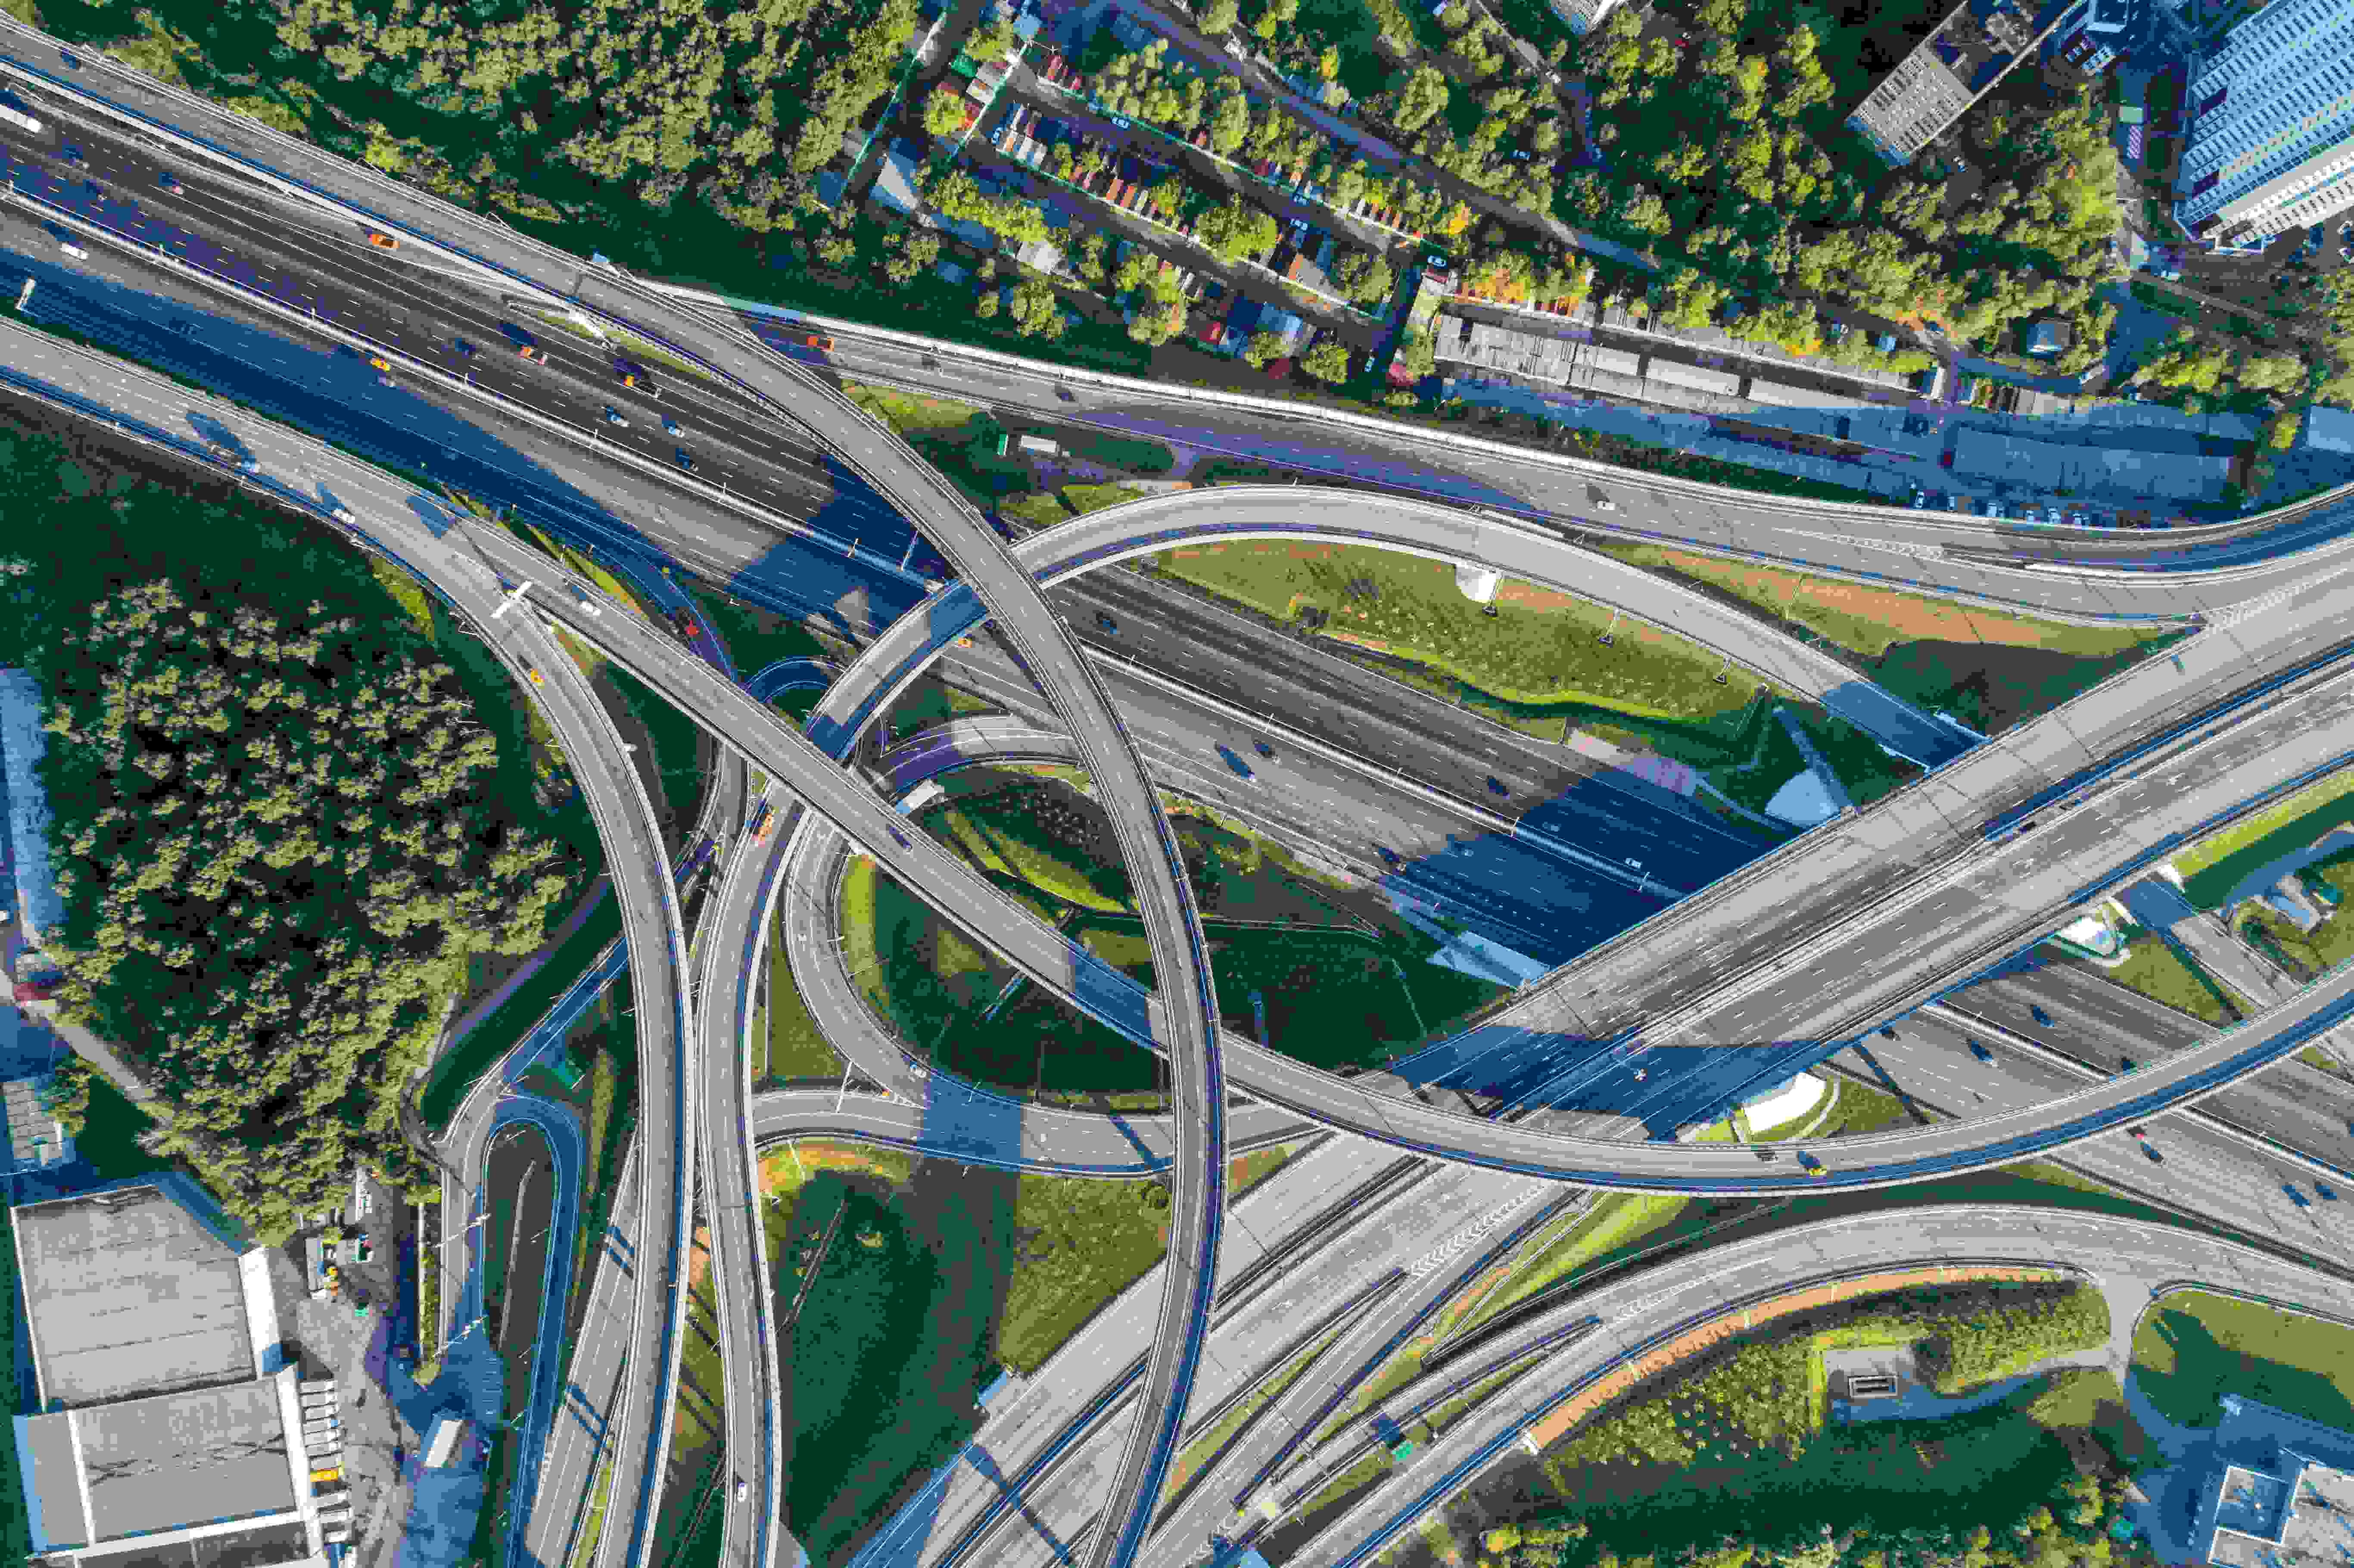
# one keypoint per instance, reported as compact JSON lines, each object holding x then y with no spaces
{"x":277,"y":850}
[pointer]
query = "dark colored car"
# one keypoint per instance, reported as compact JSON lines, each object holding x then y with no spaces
{"x":1264,"y":750}
{"x":684,"y":459}
{"x":1978,"y":1050}
{"x":464,"y":350}
{"x":2324,"y":1192}
{"x":1066,"y":394}
{"x":1389,"y":856}
{"x":1107,"y":622}
{"x":1887,"y":1031}
{"x":2040,"y":1016}
{"x":70,"y":153}
{"x":1496,"y":787}
{"x":1233,"y":760}
{"x":2299,"y":1198}
{"x":167,"y":181}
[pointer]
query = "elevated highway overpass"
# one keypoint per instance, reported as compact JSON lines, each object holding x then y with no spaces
{"x":1204,"y":1103}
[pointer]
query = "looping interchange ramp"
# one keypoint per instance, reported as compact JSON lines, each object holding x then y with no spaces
{"x":1890,"y":908}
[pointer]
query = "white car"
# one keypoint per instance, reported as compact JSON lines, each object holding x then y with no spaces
{"x":581,"y":596}
{"x":70,"y":248}
{"x":741,"y":1489}
{"x":1603,"y":503}
{"x":344,"y":514}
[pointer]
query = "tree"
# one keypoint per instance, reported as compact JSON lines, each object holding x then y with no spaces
{"x":1035,"y":308}
{"x":2272,"y":373}
{"x":987,"y":306}
{"x":1365,"y":277}
{"x":1328,"y":361}
{"x":1416,"y":98}
{"x":68,"y":1095}
{"x":1415,"y":355}
{"x":992,"y":40}
{"x":1219,"y":18}
{"x":944,"y":111}
{"x":1234,"y":229}
{"x":1263,"y":350}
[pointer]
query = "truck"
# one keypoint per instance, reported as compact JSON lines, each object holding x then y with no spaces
{"x":331,"y":1473}
{"x":816,"y":340}
{"x":19,"y":113}
{"x":316,"y":1385}
{"x":684,"y":624}
{"x":764,"y":822}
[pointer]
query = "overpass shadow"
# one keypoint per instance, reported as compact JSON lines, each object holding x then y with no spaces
{"x":334,"y":395}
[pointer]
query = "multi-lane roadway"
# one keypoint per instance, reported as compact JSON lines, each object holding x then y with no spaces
{"x":1201,"y":1110}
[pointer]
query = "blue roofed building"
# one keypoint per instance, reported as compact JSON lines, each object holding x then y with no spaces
{"x":2281,"y":1494}
{"x":22,"y":743}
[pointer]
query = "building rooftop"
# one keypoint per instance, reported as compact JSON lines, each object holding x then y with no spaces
{"x":22,"y":741}
{"x":35,"y":1138}
{"x":166,"y":1463}
{"x":2285,"y":1495}
{"x":128,"y":1294}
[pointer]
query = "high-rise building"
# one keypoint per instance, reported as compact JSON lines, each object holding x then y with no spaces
{"x":1583,"y":16}
{"x":2271,"y":140}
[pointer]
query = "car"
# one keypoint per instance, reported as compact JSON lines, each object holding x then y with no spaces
{"x":1603,"y":503}
{"x":532,"y":352}
{"x":463,"y":349}
{"x":2324,"y":1192}
{"x":71,"y":60}
{"x":1812,"y":1166}
{"x":1242,"y":770}
{"x":2032,"y":1010}
{"x":2346,"y":253}
{"x":377,"y":362}
{"x":1496,"y":787}
{"x":1920,"y":499}
{"x":2078,"y":520}
{"x":2299,"y":1198}
{"x":1977,"y":1049}
{"x":741,"y":1489}
{"x":586,"y":602}
{"x":670,"y":426}
{"x":344,"y":514}
{"x":535,"y":677}
{"x":2345,"y":230}
{"x":1108,"y":624}
{"x":1066,"y":394}
{"x":2126,"y":1065}
{"x":1389,"y":856}
{"x":1264,"y":750}
{"x":92,"y":188}
{"x":1887,"y":1031}
{"x":684,"y":459}
{"x":70,"y":248}
{"x":615,"y":416}
{"x":383,"y":241}
{"x":1122,"y":122}
{"x":2139,"y":1133}
{"x":70,"y":153}
{"x":2152,"y":1149}
{"x":386,"y":381}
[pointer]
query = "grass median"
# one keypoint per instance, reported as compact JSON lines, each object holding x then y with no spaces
{"x":457,"y":1069}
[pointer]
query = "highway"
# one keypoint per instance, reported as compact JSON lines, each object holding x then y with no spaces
{"x":1206,"y":1102}
{"x":2130,"y":1261}
{"x":964,"y":541}
{"x":2227,"y":772}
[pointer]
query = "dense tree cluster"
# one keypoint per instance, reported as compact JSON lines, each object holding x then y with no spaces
{"x":2199,"y":373}
{"x":1715,"y":159}
{"x":277,"y":851}
{"x":739,"y":104}
{"x":2065,"y":1526}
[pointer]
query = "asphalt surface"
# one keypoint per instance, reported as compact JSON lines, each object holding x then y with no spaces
{"x":887,"y":465}
{"x":2229,"y":771}
{"x":2130,"y":1261}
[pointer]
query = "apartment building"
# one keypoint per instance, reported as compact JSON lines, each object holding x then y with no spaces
{"x":2271,"y":143}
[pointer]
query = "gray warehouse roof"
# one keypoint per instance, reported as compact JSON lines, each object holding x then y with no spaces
{"x":2052,"y":465}
{"x":168,"y":1463}
{"x":22,"y":742}
{"x":127,"y":1294}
